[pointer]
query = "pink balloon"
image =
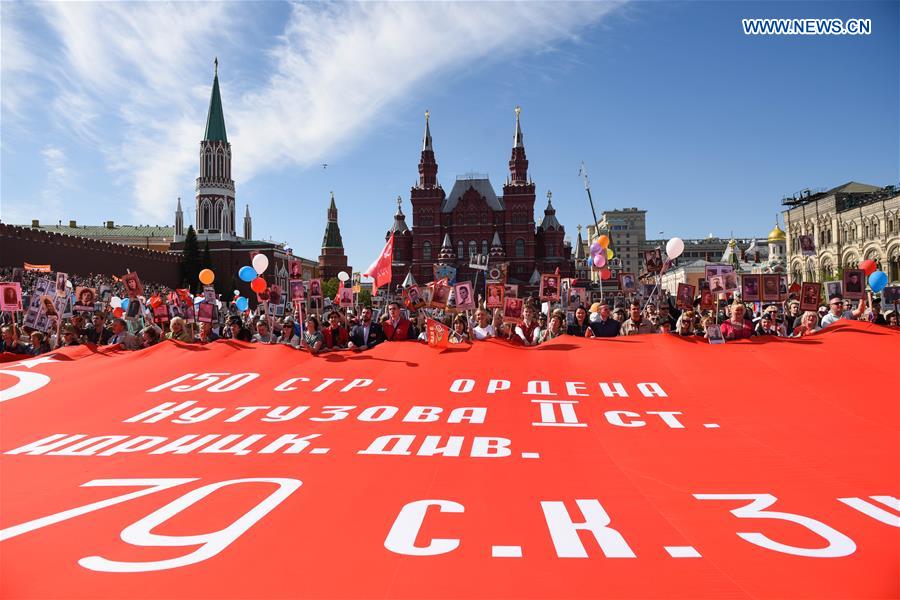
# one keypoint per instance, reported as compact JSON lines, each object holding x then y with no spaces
{"x":599,"y":259}
{"x":595,"y":248}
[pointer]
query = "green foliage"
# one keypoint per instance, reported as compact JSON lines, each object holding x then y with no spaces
{"x":364,"y":297}
{"x":330,"y":288}
{"x":206,"y":260}
{"x":190,"y":258}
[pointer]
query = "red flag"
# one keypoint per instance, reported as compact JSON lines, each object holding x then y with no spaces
{"x":380,"y":270}
{"x":441,"y":336}
{"x":337,"y":297}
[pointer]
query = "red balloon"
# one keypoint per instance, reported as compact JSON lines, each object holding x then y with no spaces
{"x":868,"y":266}
{"x":605,"y":274}
{"x":118,"y":312}
{"x":258,"y":285}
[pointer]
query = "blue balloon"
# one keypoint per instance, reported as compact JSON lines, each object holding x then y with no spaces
{"x":877,"y":281}
{"x":242,"y":302}
{"x":125,"y":303}
{"x":247,"y":274}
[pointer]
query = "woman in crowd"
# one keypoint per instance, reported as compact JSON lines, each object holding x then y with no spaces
{"x":313,"y":340}
{"x":483,"y":328}
{"x":581,"y":327}
{"x":685,"y":326}
{"x":736,"y":328}
{"x":286,"y":336}
{"x":149,"y":336}
{"x":238,"y":331}
{"x":809,"y":323}
{"x":554,"y":327}
{"x":178,"y":331}
{"x":459,"y":333}
{"x":39,"y":344}
{"x":336,"y":335}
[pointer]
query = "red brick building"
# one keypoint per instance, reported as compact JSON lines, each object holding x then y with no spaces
{"x":472,"y":219}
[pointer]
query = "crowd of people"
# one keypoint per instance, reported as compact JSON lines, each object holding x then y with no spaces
{"x":348,"y":329}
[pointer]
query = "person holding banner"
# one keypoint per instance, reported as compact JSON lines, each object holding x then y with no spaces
{"x":809,"y":323}
{"x":837,"y":312}
{"x":335,"y":334}
{"x":312,"y":339}
{"x":736,"y":328}
{"x":483,"y":328}
{"x":367,"y":334}
{"x":10,"y":341}
{"x":554,"y":326}
{"x":636,"y":324}
{"x":121,"y":335}
{"x":207,"y":334}
{"x":528,"y":331}
{"x":39,"y":344}
{"x":581,"y":327}
{"x":98,"y":334}
{"x":178,"y":331}
{"x":397,"y":327}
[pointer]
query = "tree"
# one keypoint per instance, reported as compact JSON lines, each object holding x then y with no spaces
{"x":206,"y":261}
{"x":190,"y":258}
{"x":364,"y":297}
{"x":330,"y":288}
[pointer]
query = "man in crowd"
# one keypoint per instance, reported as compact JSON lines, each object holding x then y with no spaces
{"x":98,"y":333}
{"x":636,"y":324}
{"x":121,"y":335}
{"x":367,"y":334}
{"x":837,"y":311}
{"x":605,"y":325}
{"x":398,"y":327}
{"x":10,"y":341}
{"x":263,"y":335}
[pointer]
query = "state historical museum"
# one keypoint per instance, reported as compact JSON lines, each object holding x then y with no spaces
{"x":472,"y":219}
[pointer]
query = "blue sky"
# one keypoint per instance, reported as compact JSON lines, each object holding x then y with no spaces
{"x":670,"y":105}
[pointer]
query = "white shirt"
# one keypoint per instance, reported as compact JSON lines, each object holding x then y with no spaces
{"x":831,"y":318}
{"x":482,"y":333}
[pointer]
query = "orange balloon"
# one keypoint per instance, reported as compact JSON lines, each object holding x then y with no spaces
{"x":258,"y":285}
{"x":603,"y":240}
{"x":207,"y":277}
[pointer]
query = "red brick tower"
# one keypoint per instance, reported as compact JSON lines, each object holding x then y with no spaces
{"x":332,"y":260}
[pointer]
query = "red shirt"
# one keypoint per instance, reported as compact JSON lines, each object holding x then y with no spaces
{"x":737,"y":332}
{"x":342,"y":336}
{"x":401,"y":332}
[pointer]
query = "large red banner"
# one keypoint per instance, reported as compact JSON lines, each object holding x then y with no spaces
{"x":646,"y":467}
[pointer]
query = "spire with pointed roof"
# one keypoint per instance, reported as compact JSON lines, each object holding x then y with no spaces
{"x":215,"y":117}
{"x":427,"y":165}
{"x":399,"y":227}
{"x":497,"y":250}
{"x":549,"y":221}
{"x":409,"y":280}
{"x":579,"y":246}
{"x":518,"y":163}
{"x":248,"y":224}
{"x":446,"y":254}
{"x":426,"y":143}
{"x":332,"y":260}
{"x":179,"y":219}
{"x":332,"y":238}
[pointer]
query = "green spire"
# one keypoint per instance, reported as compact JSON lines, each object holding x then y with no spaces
{"x":215,"y":118}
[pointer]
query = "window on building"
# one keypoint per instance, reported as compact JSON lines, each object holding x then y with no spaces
{"x":520,"y":248}
{"x":460,"y":250}
{"x":484,"y":247}
{"x":426,"y":250}
{"x":473,"y":248}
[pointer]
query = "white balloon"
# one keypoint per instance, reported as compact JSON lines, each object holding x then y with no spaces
{"x":674,"y":247}
{"x":343,"y":276}
{"x":237,"y":292}
{"x":260,"y":263}
{"x":115,"y":302}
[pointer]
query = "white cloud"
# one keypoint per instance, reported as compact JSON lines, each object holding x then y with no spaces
{"x":339,"y":67}
{"x":133,"y":78}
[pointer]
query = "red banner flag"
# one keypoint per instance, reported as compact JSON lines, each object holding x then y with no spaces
{"x":217,"y":472}
{"x":41,"y":268}
{"x":380,"y":270}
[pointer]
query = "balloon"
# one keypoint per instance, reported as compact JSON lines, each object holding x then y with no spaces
{"x":609,"y":254}
{"x":207,"y":276}
{"x":260,"y":263}
{"x":603,"y":240}
{"x":237,"y":292}
{"x":674,"y":247}
{"x":123,"y":304}
{"x":258,"y":285}
{"x":590,"y":262}
{"x":868,"y":266}
{"x":599,"y":260}
{"x":877,"y":281}
{"x":242,"y":304}
{"x":247,"y":274}
{"x":115,"y":302}
{"x":343,"y":276}
{"x":605,"y":274}
{"x":595,"y":248}
{"x":198,"y":300}
{"x":118,"y":312}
